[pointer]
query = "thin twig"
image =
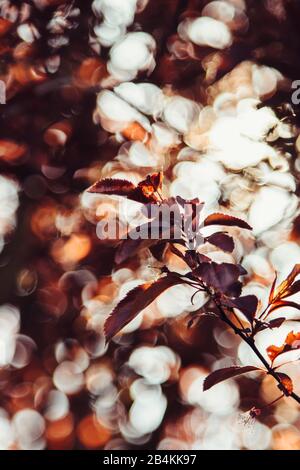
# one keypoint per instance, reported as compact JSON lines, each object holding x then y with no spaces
{"x":250,"y":341}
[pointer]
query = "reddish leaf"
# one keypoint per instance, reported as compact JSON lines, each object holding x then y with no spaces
{"x":283,"y":303}
{"x":221,"y":277}
{"x":286,"y":288}
{"x":292,"y":341}
{"x":221,"y":240}
{"x":146,"y":191}
{"x":271,"y":296}
{"x":286,"y":382}
{"x":293,"y":274}
{"x":224,"y":374}
{"x":224,"y":219}
{"x":154,"y":181}
{"x":274,"y":351}
{"x":112,"y":186}
{"x":247,"y":305}
{"x":151,"y":186}
{"x":136,"y":301}
{"x":289,"y":357}
{"x":295,"y":288}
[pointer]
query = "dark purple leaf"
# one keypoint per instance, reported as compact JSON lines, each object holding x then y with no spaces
{"x":277,"y":322}
{"x":235,"y":289}
{"x":203,"y":258}
{"x":192,"y":259}
{"x":223,"y":374}
{"x":144,"y":236}
{"x":247,"y":305}
{"x":224,"y":219}
{"x":136,"y":301}
{"x":158,"y":250}
{"x":129,"y":248}
{"x":221,"y":240}
{"x":221,"y":277}
{"x":242,"y":270}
